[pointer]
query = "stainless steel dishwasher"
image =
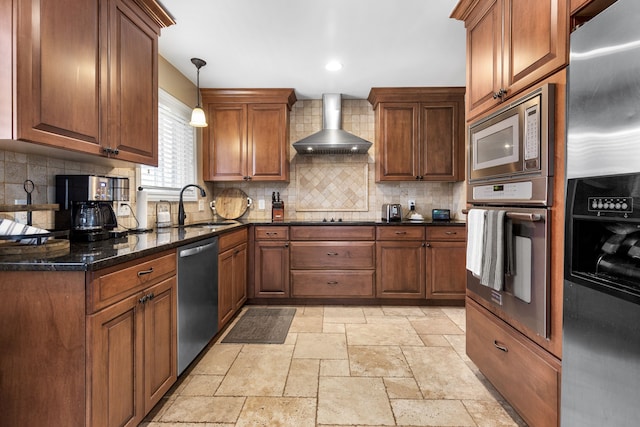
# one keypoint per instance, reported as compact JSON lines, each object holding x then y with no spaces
{"x":197,"y":298}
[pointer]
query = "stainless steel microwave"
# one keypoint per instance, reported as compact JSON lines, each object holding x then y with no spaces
{"x":514,"y":141}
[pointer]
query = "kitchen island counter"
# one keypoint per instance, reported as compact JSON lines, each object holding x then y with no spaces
{"x":97,"y":255}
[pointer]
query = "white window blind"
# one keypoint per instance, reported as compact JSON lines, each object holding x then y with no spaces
{"x":176,"y":153}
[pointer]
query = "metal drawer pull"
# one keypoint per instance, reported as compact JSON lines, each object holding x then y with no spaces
{"x":332,"y":253}
{"x":272,"y":233}
{"x":333,"y":282}
{"x":143,"y":299}
{"x":401,"y":232}
{"x":500,"y":346}
{"x":144,"y":272}
{"x":450,"y":232}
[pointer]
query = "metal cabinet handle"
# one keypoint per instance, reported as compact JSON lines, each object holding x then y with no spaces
{"x":450,"y":232}
{"x":332,"y":282}
{"x":286,"y":245}
{"x":332,"y":253}
{"x":401,"y":232}
{"x":151,"y":296}
{"x":143,"y":299}
{"x":500,"y":94}
{"x":272,"y":233}
{"x":500,"y":346}
{"x":145,"y":272}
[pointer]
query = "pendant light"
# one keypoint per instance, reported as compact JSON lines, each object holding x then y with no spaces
{"x":197,"y":115}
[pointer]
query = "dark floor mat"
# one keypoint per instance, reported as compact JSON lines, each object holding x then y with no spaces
{"x":261,"y":326}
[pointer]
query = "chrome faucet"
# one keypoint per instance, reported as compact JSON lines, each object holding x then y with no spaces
{"x":181,"y":214}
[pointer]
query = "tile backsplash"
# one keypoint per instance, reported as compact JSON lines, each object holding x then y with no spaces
{"x":321,"y":186}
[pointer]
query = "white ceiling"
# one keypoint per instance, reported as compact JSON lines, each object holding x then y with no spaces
{"x":286,"y":43}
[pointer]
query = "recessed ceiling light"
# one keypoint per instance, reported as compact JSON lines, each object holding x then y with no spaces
{"x":333,"y":66}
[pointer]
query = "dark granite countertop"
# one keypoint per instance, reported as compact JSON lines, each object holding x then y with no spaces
{"x":97,"y":255}
{"x":105,"y":253}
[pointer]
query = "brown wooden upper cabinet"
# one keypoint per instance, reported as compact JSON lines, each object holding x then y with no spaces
{"x":419,"y":133}
{"x":248,"y":134}
{"x":511,"y":44}
{"x":86,"y":75}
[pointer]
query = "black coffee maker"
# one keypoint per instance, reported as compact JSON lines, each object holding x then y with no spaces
{"x":86,"y":206}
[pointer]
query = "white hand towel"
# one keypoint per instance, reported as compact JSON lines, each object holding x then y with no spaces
{"x":475,"y":240}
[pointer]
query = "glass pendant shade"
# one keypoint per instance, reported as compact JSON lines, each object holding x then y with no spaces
{"x":198,"y":119}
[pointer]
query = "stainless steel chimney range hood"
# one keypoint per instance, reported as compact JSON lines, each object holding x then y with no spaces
{"x":332,"y":139}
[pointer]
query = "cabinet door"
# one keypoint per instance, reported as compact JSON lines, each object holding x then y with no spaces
{"x":133,"y":83}
{"x":441,"y":141}
{"x":271,"y":269}
{"x":239,"y":286}
{"x":535,"y":41}
{"x":267,"y":142}
{"x":397,"y":147}
{"x":446,"y":270}
{"x":400,"y":270}
{"x":160,"y":341}
{"x":225,"y":287}
{"x":58,"y":73}
{"x":484,"y":56}
{"x":224,"y":144}
{"x":115,"y":362}
{"x":232,"y":282}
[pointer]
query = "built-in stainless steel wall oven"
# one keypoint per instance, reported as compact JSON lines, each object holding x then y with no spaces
{"x":509,"y":187}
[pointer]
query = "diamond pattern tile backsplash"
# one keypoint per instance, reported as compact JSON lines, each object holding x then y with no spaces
{"x":328,"y":186}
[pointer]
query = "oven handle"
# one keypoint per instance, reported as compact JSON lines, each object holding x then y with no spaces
{"x":530,"y":217}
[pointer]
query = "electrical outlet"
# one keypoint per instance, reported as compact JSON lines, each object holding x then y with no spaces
{"x":261,"y":204}
{"x":411,"y":202}
{"x":20,"y":217}
{"x":123,"y":210}
{"x":200,"y":205}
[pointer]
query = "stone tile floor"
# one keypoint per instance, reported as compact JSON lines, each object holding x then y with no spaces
{"x":341,"y":366}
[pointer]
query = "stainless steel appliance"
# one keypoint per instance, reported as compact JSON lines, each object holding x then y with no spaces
{"x":86,"y":205}
{"x":601,"y":329}
{"x":197,"y":298}
{"x":392,"y":212}
{"x":601,"y":333}
{"x":513,"y":148}
{"x":511,"y":173}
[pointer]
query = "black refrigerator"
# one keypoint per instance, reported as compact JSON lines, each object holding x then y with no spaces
{"x":601,"y":302}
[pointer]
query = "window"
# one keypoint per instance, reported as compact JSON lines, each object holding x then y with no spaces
{"x":176,"y":153}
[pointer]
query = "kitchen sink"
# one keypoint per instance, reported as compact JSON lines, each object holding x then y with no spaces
{"x":210,"y":224}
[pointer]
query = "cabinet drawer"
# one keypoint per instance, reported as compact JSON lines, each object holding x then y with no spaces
{"x":272,"y":233}
{"x":332,"y":283}
{"x":112,"y":284}
{"x":446,"y":233}
{"x":332,"y":255}
{"x":333,"y":232}
{"x":231,"y":239}
{"x":525,"y":375}
{"x":399,"y":232}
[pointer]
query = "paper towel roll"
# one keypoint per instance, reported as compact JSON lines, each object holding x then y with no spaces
{"x":141,"y":208}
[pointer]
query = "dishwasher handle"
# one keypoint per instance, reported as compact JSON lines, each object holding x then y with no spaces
{"x":194,"y":251}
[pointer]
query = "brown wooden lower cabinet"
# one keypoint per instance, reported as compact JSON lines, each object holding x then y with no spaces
{"x":401,"y":269}
{"x":446,"y":263}
{"x":134,"y":358}
{"x":232,"y":274}
{"x":527,"y":376}
{"x":93,"y":348}
{"x":271,"y":262}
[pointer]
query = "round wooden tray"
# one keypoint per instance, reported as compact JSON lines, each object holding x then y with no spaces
{"x":232,"y":203}
{"x":50,"y":249}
